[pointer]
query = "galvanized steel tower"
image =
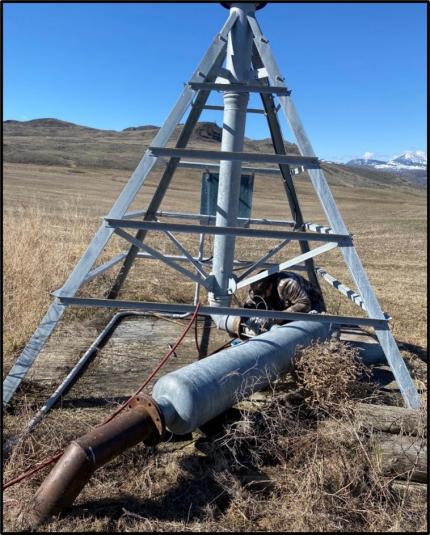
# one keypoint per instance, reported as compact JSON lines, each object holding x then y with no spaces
{"x":250,"y":67}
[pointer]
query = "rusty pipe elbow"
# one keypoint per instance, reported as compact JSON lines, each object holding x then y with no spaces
{"x":142,"y":422}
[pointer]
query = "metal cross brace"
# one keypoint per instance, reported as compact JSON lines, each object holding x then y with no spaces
{"x":352,"y":260}
{"x":205,"y":71}
{"x":201,"y":83}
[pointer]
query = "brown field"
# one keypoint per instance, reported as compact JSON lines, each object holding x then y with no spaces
{"x":327,"y":481}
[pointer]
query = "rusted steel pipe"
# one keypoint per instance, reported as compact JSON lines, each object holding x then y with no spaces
{"x":142,"y":422}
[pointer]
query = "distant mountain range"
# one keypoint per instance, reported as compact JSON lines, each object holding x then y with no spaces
{"x":411,"y":164}
{"x":55,"y":142}
{"x":408,"y":160}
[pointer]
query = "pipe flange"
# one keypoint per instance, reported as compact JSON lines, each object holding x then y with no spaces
{"x":150,"y":406}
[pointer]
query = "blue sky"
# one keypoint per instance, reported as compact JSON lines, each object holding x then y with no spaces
{"x":357,"y":71}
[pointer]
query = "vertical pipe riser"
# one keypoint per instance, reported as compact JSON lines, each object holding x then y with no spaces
{"x":239,"y":51}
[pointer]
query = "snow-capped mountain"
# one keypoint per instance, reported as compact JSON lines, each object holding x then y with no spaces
{"x":410,"y":160}
{"x":417,"y":159}
{"x":369,"y":162}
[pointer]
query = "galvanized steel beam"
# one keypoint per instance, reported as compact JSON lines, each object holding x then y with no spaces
{"x":215,"y":166}
{"x":352,"y":260}
{"x":307,"y":162}
{"x":347,"y":292}
{"x":187,"y":255}
{"x":163,"y":258}
{"x":289,"y":263}
{"x":263,"y":259}
{"x":315,"y":227}
{"x":238,"y":264}
{"x":137,"y":179}
{"x":236,"y":231}
{"x":239,"y":88}
{"x":228,"y":311}
{"x":211,"y":218}
{"x":104,"y":267}
{"x":290,"y":191}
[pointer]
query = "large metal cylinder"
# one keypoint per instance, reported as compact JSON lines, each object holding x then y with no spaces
{"x":193,"y":395}
{"x":238,"y":62}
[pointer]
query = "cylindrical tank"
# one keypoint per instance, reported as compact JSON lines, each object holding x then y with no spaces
{"x":194,"y":394}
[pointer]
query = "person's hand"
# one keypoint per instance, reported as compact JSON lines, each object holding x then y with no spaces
{"x":255,"y":326}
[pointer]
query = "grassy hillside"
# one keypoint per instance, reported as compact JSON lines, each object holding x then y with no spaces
{"x":294,"y":462}
{"x":55,"y":142}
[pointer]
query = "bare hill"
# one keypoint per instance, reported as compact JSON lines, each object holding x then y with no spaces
{"x":55,"y":142}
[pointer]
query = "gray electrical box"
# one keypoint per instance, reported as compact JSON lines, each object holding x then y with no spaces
{"x":209,"y":195}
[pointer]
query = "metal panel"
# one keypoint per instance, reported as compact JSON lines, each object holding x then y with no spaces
{"x":209,"y":196}
{"x":237,"y":231}
{"x":334,"y":217}
{"x":308,"y":163}
{"x":210,"y":311}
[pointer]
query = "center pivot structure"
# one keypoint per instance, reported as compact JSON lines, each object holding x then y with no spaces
{"x":193,"y":395}
{"x":239,"y":61}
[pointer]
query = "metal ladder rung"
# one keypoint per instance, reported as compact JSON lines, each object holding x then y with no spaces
{"x":249,"y":110}
{"x":308,"y":162}
{"x":241,"y":88}
{"x":340,"y":239}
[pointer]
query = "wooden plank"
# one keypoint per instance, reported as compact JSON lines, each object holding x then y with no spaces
{"x":391,"y":419}
{"x":401,"y":456}
{"x":369,"y":349}
{"x":134,"y":349}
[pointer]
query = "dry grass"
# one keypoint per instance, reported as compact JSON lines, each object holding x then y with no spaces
{"x":315,"y":371}
{"x":322,"y":477}
{"x":284,"y":464}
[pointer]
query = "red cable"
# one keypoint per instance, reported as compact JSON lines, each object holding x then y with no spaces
{"x":157,"y":368}
{"x":39,"y":467}
{"x":33,"y":470}
{"x":196,"y":340}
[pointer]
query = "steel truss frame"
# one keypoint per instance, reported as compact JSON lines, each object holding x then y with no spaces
{"x":194,"y":96}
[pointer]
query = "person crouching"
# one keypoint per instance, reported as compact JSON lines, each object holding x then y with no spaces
{"x":284,"y":291}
